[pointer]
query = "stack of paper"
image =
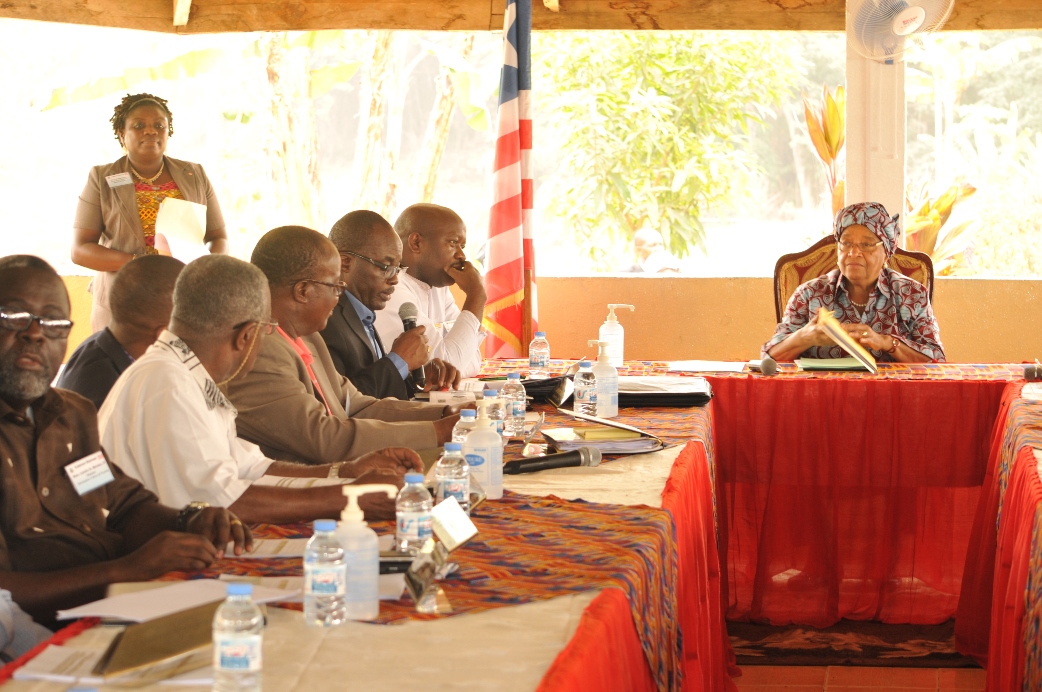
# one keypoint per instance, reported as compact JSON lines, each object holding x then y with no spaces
{"x":567,"y":439}
{"x":829,"y":364}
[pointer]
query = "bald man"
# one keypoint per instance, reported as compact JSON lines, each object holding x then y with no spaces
{"x":141,"y":299}
{"x":433,"y":239}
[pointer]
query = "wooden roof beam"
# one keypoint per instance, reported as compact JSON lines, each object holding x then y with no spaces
{"x":211,"y":16}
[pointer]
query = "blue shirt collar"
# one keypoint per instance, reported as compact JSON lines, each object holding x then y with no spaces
{"x":365,"y":314}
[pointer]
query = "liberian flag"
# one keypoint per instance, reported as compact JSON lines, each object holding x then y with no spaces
{"x":510,"y":250}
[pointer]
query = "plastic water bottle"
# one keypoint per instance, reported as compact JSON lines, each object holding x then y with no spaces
{"x":412,"y":511}
{"x":496,"y":413}
{"x":237,"y":640}
{"x":585,"y":390}
{"x":539,"y":357}
{"x":325,"y":577}
{"x":514,"y":403}
{"x":464,"y":425}
{"x":607,"y":378}
{"x":452,"y":476}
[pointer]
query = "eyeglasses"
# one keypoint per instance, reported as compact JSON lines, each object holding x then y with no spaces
{"x":339,"y":287}
{"x":390,"y":271}
{"x":846,"y":246}
{"x":267,"y":327}
{"x":21,"y":321}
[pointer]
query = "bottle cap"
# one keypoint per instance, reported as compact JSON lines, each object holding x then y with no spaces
{"x":453,"y":446}
{"x":490,"y":393}
{"x":414,"y":478}
{"x":325,"y":525}
{"x":239,"y":588}
{"x":542,"y":334}
{"x":468,"y":413}
{"x":514,"y":376}
{"x":584,"y":364}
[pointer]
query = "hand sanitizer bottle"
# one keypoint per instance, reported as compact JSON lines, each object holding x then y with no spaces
{"x":361,"y":554}
{"x":607,"y":382}
{"x":483,"y":450}
{"x":612,"y":332}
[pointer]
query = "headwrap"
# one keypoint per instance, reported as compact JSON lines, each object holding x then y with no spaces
{"x":874,"y":217}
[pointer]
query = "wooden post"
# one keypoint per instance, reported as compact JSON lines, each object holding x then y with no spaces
{"x":526,"y":314}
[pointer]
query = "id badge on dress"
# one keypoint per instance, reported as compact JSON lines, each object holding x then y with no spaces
{"x":119,"y":179}
{"x":89,"y":473}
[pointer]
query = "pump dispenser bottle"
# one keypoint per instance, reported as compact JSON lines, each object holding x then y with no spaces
{"x":612,"y":332}
{"x":483,"y":450}
{"x":607,"y":379}
{"x":361,"y":553}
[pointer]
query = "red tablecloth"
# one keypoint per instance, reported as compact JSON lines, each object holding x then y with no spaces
{"x":1017,"y":423}
{"x":1017,"y":539}
{"x":849,"y":497}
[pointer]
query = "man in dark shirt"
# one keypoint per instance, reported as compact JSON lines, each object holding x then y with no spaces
{"x":72,"y":523}
{"x":141,"y":299}
{"x":370,"y":255}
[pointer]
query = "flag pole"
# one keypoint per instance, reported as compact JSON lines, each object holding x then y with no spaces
{"x":526,"y":316}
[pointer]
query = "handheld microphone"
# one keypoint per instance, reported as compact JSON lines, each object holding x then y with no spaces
{"x":769,"y":366}
{"x":408,"y":312}
{"x":584,"y":456}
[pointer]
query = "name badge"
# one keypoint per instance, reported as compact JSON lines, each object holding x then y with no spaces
{"x":89,"y":473}
{"x":119,"y":179}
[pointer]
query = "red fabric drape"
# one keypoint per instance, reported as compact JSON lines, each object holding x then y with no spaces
{"x":1006,"y":649}
{"x":973,"y":620}
{"x":604,"y":653}
{"x":848,"y":498}
{"x":688,"y":496}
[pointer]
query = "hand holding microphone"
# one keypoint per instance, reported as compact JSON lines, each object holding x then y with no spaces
{"x":412,"y":345}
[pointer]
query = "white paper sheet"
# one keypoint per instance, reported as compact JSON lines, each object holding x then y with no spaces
{"x":72,"y":666}
{"x":142,"y":606}
{"x":181,"y":228}
{"x":288,"y":547}
{"x":705,"y":366}
{"x":391,"y":586}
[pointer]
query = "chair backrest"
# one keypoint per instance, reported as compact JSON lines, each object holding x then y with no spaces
{"x":820,"y":258}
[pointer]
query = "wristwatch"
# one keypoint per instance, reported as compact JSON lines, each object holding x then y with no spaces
{"x":187,"y":512}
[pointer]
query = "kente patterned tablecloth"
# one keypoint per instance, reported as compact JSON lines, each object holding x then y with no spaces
{"x":530,"y":549}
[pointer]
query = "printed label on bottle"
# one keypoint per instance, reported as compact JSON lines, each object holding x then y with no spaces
{"x":325,"y":580}
{"x":517,"y":408}
{"x":414,"y":526}
{"x":475,"y":459}
{"x":584,"y":393}
{"x":456,"y":488}
{"x":237,"y":652}
{"x":538,"y":360}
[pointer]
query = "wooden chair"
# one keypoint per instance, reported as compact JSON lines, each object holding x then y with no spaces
{"x":820,"y":258}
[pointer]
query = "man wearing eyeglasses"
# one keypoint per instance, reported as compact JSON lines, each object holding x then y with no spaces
{"x":167,"y":423}
{"x":370,"y":267}
{"x":73,"y":522}
{"x":294,"y":403}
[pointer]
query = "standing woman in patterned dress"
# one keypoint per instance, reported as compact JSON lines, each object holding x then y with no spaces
{"x":886,"y":312}
{"x":116,"y":215}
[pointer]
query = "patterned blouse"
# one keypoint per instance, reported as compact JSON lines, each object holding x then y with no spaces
{"x":149,"y":197}
{"x":898,"y":306}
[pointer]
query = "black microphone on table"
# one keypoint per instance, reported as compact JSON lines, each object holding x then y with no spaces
{"x":769,"y":366}
{"x":584,"y":456}
{"x":1033,"y":372}
{"x":408,"y":313}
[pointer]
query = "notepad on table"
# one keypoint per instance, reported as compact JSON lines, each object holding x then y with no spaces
{"x":593,"y":433}
{"x":829,"y":364}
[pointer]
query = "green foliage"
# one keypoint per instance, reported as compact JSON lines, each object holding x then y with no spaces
{"x":652,"y":128}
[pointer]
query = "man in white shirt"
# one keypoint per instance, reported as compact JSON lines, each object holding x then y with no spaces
{"x":433,"y":240}
{"x":167,"y":424}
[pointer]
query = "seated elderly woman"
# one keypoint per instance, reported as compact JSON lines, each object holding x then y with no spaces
{"x":886,"y":311}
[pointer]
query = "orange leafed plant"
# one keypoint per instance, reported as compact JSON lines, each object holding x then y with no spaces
{"x":926,"y":231}
{"x":826,"y":124}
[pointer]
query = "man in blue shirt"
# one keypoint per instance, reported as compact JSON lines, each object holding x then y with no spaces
{"x":370,"y":259}
{"x":141,"y":299}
